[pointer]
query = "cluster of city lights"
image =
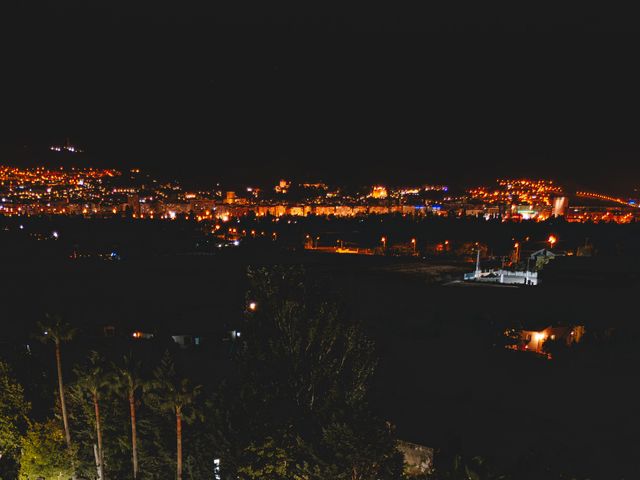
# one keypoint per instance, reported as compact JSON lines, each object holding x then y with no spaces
{"x":517,"y":192}
{"x":106,"y":192}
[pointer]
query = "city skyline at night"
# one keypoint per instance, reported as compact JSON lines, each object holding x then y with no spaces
{"x":99,"y":192}
{"x":253,"y":240}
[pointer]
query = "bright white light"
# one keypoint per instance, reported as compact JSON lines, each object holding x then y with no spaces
{"x":55,"y":234}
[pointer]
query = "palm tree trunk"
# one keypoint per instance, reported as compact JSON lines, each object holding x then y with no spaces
{"x":99,"y":435}
{"x":96,"y":455}
{"x":134,"y":437}
{"x":179,"y":443}
{"x":63,"y":403}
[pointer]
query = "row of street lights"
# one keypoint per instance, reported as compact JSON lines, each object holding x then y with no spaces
{"x":414,"y":244}
{"x":552,"y":240}
{"x":383,"y":240}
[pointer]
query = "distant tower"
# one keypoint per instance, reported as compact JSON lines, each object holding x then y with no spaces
{"x":478,"y":264}
{"x":560,"y":205}
{"x":230,"y":197}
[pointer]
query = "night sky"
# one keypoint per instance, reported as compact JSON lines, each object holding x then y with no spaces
{"x":250,"y":93}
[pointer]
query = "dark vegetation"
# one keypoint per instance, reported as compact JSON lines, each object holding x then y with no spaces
{"x":441,"y":376}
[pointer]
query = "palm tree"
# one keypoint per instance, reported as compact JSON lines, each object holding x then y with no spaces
{"x":93,"y":379}
{"x":128,"y":381}
{"x":57,"y":331}
{"x":176,"y":395}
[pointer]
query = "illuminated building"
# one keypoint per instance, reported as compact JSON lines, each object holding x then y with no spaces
{"x":533,"y":340}
{"x":379,"y":192}
{"x":492,"y":275}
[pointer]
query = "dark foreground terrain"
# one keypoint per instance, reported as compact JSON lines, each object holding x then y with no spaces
{"x":442,"y":380}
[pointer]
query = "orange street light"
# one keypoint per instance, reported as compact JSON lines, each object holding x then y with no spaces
{"x":552,"y":240}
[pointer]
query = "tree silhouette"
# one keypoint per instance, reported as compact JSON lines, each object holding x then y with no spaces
{"x":128,"y":381}
{"x":94,"y":380}
{"x":13,"y":419}
{"x":300,"y":392}
{"x":174,"y":394}
{"x":55,"y":330}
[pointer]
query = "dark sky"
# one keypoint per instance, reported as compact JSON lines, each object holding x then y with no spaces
{"x":241,"y":91}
